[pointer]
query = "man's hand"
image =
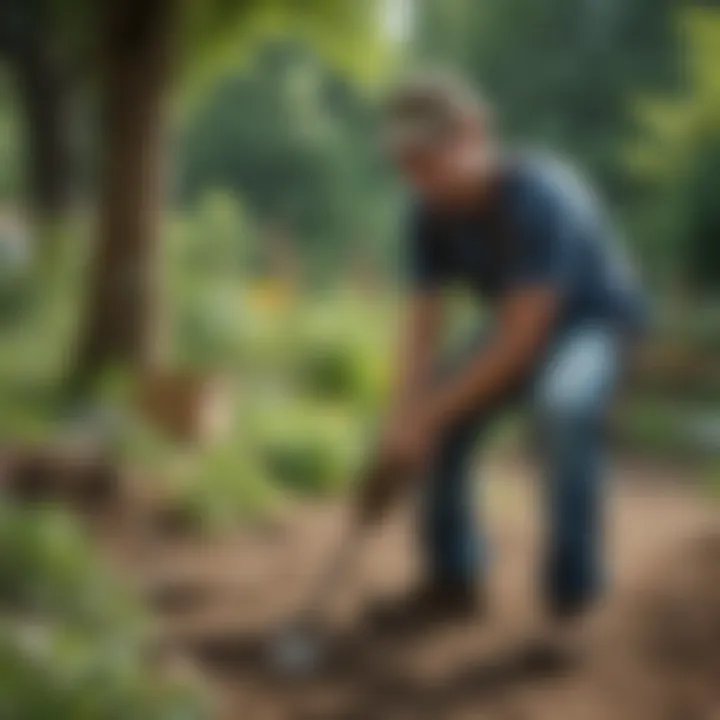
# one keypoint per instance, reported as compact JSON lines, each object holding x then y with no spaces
{"x":380,"y":485}
{"x":405,"y":448}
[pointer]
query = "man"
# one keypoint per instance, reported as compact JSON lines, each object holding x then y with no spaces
{"x":531,"y":241}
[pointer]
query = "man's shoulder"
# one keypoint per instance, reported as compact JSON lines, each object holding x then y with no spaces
{"x":545,"y":180}
{"x":542,"y":171}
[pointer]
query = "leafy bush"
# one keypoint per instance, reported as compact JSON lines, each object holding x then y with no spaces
{"x":264,"y":336}
{"x":46,"y":566}
{"x":652,"y":427}
{"x":337,"y":369}
{"x":74,"y":644}
{"x":15,"y":276}
{"x":713,"y":482}
{"x":340,"y":355}
{"x":55,"y":671}
{"x":670,"y":429}
{"x":308,"y":449}
{"x":221,"y":487}
{"x":205,"y":258}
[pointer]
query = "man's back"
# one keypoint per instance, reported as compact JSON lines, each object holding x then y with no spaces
{"x":541,"y":226}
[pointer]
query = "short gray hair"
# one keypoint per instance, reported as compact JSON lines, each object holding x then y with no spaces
{"x":424,"y":109}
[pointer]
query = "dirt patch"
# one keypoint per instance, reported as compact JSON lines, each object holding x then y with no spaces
{"x":652,"y":650}
{"x":669,"y":637}
{"x":652,"y":654}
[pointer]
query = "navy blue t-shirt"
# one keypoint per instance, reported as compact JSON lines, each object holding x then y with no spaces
{"x":543,"y":226}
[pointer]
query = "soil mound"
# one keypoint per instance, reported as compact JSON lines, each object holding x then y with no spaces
{"x":671,"y":632}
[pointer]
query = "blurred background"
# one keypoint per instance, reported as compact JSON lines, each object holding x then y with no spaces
{"x":199,"y":260}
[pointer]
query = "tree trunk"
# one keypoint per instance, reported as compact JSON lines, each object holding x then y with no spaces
{"x":32,"y":50}
{"x":120,"y":323}
{"x":44,"y":93}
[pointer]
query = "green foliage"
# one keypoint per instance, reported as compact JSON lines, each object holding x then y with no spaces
{"x":341,"y":355}
{"x":223,"y":486}
{"x":206,"y":254}
{"x":702,"y":259}
{"x":562,"y":72}
{"x":73,"y":641}
{"x":671,"y":427}
{"x":36,"y":334}
{"x":46,"y":567}
{"x":10,"y":146}
{"x":653,"y":427}
{"x":713,"y":483}
{"x":679,"y":159}
{"x":47,"y":670}
{"x":307,"y":449}
{"x":337,"y":369}
{"x":295,"y":141}
{"x":219,"y":33}
{"x":696,"y":328}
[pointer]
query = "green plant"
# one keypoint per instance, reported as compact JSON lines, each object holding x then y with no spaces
{"x":205,"y":257}
{"x":53,"y":670}
{"x":221,"y":487}
{"x":74,"y":642}
{"x":713,"y":482}
{"x":340,"y":354}
{"x":306,"y":448}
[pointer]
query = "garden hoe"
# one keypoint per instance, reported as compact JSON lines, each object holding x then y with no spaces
{"x":300,"y":648}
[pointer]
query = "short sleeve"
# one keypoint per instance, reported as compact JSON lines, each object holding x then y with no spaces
{"x":426,"y":267}
{"x":542,"y":254}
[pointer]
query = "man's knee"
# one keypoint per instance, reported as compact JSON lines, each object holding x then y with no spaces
{"x":575,"y":387}
{"x":562,"y":405}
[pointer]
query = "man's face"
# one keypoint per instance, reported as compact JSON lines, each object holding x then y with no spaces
{"x":448,"y":173}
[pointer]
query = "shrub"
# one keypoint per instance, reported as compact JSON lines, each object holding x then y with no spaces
{"x":340,"y":356}
{"x":74,"y":643}
{"x":50,"y":670}
{"x":206,"y":253}
{"x":221,"y":487}
{"x":308,"y":449}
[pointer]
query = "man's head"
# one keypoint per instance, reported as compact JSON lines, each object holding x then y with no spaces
{"x":437,"y":133}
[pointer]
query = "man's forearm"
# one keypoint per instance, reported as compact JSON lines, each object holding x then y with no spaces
{"x":489,"y":376}
{"x":417,"y":351}
{"x":413,"y":370}
{"x":525,"y":322}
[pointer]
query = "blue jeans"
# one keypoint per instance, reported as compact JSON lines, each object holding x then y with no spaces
{"x":567,"y":394}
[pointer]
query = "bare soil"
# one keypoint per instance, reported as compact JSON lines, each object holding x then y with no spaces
{"x":651,"y":652}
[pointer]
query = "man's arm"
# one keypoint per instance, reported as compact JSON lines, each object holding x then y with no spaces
{"x":421,"y":324}
{"x":539,"y":280}
{"x":420,"y":332}
{"x":526,"y":317}
{"x":525,"y":320}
